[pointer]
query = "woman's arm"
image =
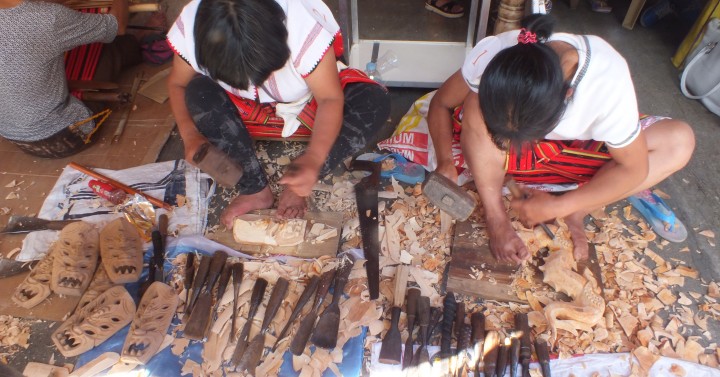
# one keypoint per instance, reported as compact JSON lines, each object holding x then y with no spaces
{"x":180,"y":75}
{"x":324,"y":84}
{"x":450,"y":95}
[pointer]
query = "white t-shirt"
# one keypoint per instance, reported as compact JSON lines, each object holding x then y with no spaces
{"x":603,"y":106}
{"x":311,"y":31}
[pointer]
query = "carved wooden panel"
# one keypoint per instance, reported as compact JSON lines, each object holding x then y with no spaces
{"x":36,"y":286}
{"x":121,"y":251}
{"x":76,"y":258}
{"x":151,"y":322}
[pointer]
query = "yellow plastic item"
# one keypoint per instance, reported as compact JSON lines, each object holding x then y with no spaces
{"x":712,"y":9}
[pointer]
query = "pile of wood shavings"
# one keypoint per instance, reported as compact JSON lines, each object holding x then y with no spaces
{"x":14,"y":334}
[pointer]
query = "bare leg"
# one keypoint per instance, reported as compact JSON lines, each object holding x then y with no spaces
{"x":670,"y":144}
{"x":243,"y":204}
{"x":291,"y":205}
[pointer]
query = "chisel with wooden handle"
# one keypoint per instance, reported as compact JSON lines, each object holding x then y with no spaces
{"x":490,"y":352}
{"x":391,"y":349}
{"x":189,"y":276}
{"x":222,"y":287}
{"x":326,"y":330}
{"x":477,"y":322}
{"x":298,"y":343}
{"x":237,"y":275}
{"x":253,"y":353}
{"x":309,"y":290}
{"x":519,"y":194}
{"x":514,"y":354}
{"x":522,"y":326}
{"x":256,"y":298}
{"x":543,"y":355}
{"x":199,"y":321}
{"x":503,"y":357}
{"x":413,"y":295}
{"x":198,"y":282}
{"x":423,"y":317}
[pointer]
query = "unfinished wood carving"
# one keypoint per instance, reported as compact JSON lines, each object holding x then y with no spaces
{"x":100,"y":283}
{"x":586,"y":308}
{"x":263,"y":230}
{"x":152,"y":319}
{"x":36,"y":286}
{"x":76,"y":257}
{"x":95,"y":322}
{"x":121,"y":251}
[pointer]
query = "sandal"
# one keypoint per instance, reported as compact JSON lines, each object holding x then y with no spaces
{"x":397,"y":166}
{"x":446,"y":10}
{"x":600,"y":6}
{"x":659,"y":215}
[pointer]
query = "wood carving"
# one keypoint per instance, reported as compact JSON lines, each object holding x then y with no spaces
{"x":121,"y":251}
{"x":76,"y":257}
{"x":100,"y":283}
{"x":586,"y":308}
{"x":149,"y":327}
{"x":36,"y":286}
{"x":95,"y":322}
{"x":262,"y":230}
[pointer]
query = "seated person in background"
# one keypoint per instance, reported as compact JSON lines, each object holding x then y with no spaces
{"x":261,"y":52}
{"x":520,"y":89}
{"x":37,"y":112}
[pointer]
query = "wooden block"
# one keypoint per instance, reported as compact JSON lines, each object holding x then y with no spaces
{"x":304,"y":250}
{"x":99,"y":364}
{"x":466,"y":255}
{"x":156,"y":87}
{"x":44,"y":370}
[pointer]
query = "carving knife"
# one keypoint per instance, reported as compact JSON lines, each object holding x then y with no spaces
{"x":254,"y":351}
{"x":309,"y":290}
{"x":189,"y":276}
{"x":543,"y":355}
{"x":237,"y":275}
{"x":411,"y":307}
{"x":366,"y":196}
{"x":517,"y":193}
{"x":199,"y":320}
{"x":521,"y":324}
{"x":9,"y":267}
{"x":24,"y":224}
{"x":326,"y":331}
{"x":297,"y":345}
{"x":391,"y":350}
{"x":198,"y":282}
{"x":256,"y":298}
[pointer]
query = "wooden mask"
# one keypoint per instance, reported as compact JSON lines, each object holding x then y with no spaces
{"x":76,"y":257}
{"x":95,"y":322}
{"x":151,"y":322}
{"x":36,"y":286}
{"x":121,"y":251}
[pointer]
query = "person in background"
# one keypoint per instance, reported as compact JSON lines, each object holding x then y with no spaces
{"x":525,"y":90}
{"x":235,"y":58}
{"x":37,"y":112}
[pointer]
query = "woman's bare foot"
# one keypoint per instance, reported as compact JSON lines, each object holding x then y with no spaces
{"x":576,"y":226}
{"x":290,"y":205}
{"x":243,"y":204}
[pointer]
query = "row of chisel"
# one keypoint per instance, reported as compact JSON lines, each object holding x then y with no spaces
{"x":205,"y":286}
{"x":477,"y":350}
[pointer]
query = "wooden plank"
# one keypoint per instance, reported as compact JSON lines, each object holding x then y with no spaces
{"x":633,"y":13}
{"x":466,"y":255}
{"x":304,"y":250}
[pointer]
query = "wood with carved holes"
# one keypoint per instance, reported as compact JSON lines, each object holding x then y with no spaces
{"x":75,"y":259}
{"x":149,"y":327}
{"x":36,"y":286}
{"x":121,"y":251}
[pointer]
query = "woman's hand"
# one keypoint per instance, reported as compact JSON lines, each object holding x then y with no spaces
{"x":302,"y":174}
{"x":537,"y":208}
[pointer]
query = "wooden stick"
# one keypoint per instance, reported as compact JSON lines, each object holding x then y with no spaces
{"x":126,"y":113}
{"x":127,"y":189}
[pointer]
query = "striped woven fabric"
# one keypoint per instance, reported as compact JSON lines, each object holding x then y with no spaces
{"x":555,"y":161}
{"x":81,"y":62}
{"x":262,"y":123}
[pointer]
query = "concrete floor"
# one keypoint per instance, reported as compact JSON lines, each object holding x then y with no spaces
{"x":694,"y":190}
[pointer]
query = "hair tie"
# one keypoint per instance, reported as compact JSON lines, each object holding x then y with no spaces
{"x":527,"y":37}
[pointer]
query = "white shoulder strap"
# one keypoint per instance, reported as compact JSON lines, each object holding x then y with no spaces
{"x":683,"y":79}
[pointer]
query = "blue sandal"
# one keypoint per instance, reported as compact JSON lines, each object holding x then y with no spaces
{"x":660,"y":216}
{"x":403,"y":170}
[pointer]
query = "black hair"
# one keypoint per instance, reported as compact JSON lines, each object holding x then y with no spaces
{"x":522,"y":91}
{"x":240,"y":41}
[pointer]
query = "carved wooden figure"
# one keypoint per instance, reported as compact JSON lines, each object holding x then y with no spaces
{"x":76,"y":257}
{"x":36,"y":286}
{"x":121,"y":251}
{"x":151,"y":322}
{"x":100,"y":283}
{"x":95,"y":322}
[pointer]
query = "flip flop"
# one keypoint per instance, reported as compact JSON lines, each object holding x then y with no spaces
{"x":403,"y":170}
{"x":658,"y":214}
{"x":445,"y":10}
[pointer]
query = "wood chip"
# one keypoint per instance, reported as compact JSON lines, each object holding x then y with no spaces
{"x":677,"y":370}
{"x":667,"y":297}
{"x":707,"y":233}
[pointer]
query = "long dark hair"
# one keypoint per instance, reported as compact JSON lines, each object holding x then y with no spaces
{"x":522,"y":91}
{"x":240,"y":41}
